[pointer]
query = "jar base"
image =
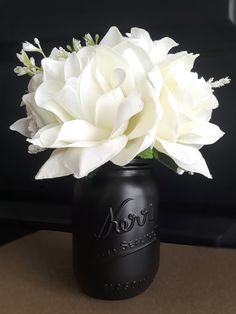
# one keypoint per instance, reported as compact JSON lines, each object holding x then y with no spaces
{"x":117,"y":295}
{"x":122,"y":278}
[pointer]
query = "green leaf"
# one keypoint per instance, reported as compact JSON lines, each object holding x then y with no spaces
{"x":165,"y":160}
{"x":155,"y":153}
{"x":146,"y":154}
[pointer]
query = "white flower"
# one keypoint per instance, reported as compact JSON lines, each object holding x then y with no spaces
{"x":99,"y":106}
{"x":26,"y":46}
{"x":30,"y":47}
{"x":110,"y":101}
{"x":36,"y":117}
{"x":187,"y":102}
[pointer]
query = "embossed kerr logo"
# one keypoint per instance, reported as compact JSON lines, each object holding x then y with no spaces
{"x":121,"y":225}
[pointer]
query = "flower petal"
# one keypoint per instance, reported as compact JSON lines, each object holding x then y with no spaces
{"x":156,"y":79}
{"x":34,"y":82}
{"x":54,"y":167}
{"x":22,"y":126}
{"x":112,"y":68}
{"x":141,"y":38}
{"x":81,"y":130}
{"x":40,"y":115}
{"x":82,"y":161}
{"x":138,"y":60}
{"x":53,"y":70}
{"x":106,"y":108}
{"x":179,"y":61}
{"x":69,"y":100}
{"x":72,"y":66}
{"x":112,"y":38}
{"x":85,"y":55}
{"x":89,"y":92}
{"x":46,"y":136}
{"x":45,"y":98}
{"x":145,"y":120}
{"x":168,"y":124}
{"x":186,"y":157}
{"x":199,"y":133}
{"x":132,"y":105}
{"x":133,"y":148}
{"x":161,"y":48}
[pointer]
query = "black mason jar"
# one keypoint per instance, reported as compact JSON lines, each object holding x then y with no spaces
{"x":116,"y":243}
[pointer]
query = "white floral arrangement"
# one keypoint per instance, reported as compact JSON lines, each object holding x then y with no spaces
{"x":114,"y":99}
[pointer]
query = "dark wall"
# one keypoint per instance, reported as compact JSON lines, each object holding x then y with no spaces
{"x":199,"y":26}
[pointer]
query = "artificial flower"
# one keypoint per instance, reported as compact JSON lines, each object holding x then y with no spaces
{"x":116,"y":99}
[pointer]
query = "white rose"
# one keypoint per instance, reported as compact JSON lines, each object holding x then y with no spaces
{"x":36,"y":117}
{"x":186,"y":101}
{"x":186,"y":104}
{"x":101,"y":107}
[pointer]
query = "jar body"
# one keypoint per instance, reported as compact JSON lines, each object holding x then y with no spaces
{"x":115,"y":232}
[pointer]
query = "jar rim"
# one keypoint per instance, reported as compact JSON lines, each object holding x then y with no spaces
{"x":136,"y":163}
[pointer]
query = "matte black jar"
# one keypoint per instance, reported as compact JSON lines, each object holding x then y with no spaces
{"x":115,"y":232}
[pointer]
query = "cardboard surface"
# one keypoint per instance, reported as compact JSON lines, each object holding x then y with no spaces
{"x":36,"y":277}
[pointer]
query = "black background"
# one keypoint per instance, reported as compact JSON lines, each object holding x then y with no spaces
{"x":194,"y":208}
